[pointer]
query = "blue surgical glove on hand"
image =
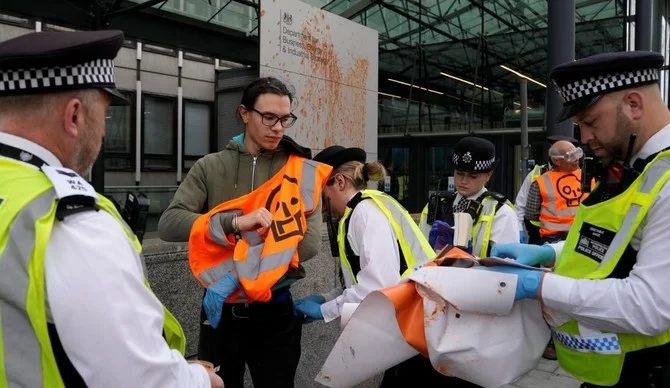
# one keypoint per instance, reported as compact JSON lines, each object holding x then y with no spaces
{"x":528,"y":280}
{"x":441,"y":234}
{"x":216,"y":294}
{"x":311,"y":309}
{"x":315,"y":298}
{"x":523,"y":237}
{"x":528,"y":254}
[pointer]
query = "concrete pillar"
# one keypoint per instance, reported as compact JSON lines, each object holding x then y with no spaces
{"x":647,"y":25}
{"x":561,"y":30}
{"x":523,"y":91}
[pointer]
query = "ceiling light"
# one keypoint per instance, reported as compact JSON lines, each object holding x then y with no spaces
{"x":388,"y":95}
{"x":415,"y":86}
{"x":523,"y":76}
{"x":468,"y":82}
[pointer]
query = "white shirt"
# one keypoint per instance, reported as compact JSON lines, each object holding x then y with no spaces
{"x":639,"y":303}
{"x":109,"y":323}
{"x":505,"y":228}
{"x":521,"y":198}
{"x":372,"y":239}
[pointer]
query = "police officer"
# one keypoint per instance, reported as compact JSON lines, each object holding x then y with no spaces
{"x":74,"y":307}
{"x":378,"y":243}
{"x":607,"y":300}
{"x":494,"y":219}
{"x":522,"y":196}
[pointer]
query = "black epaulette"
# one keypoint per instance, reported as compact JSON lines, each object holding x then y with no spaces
{"x":73,"y":205}
{"x":502,"y":199}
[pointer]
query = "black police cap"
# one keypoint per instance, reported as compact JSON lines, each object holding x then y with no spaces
{"x":474,"y":154}
{"x":581,"y":83}
{"x":337,"y":155}
{"x":46,"y":62}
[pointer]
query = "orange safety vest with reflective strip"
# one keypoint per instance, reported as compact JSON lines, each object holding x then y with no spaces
{"x":259,"y":260}
{"x":561,"y":195}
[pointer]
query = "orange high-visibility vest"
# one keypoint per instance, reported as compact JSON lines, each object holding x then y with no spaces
{"x":259,"y":260}
{"x":561,"y":195}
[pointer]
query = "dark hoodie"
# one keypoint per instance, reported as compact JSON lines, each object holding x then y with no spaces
{"x":226,"y":175}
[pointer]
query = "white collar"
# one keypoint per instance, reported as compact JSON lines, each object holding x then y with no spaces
{"x":654,"y":144}
{"x":29,"y":146}
{"x":474,"y":196}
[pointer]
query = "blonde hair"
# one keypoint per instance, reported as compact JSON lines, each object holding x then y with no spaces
{"x":355,"y":172}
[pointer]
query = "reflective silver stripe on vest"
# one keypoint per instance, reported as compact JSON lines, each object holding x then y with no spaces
{"x":654,"y":172}
{"x":254,"y":265}
{"x":307,"y":184}
{"x":21,"y":348}
{"x":215,"y":273}
{"x":488,"y":208}
{"x":216,"y":228}
{"x":555,"y":226}
{"x":571,"y":211}
{"x":408,"y":236}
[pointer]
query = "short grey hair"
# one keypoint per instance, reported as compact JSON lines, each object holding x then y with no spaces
{"x":41,"y":104}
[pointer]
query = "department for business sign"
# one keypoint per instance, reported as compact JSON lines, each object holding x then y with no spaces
{"x":331,"y":65}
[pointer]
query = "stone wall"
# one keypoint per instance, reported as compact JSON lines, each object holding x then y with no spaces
{"x":173,"y":283}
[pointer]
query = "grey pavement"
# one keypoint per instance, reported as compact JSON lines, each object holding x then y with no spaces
{"x":547,"y":375}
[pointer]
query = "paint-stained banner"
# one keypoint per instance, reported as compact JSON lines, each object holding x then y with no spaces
{"x":331,"y":64}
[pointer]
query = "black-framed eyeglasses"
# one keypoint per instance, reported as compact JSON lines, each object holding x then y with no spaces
{"x":271,"y":119}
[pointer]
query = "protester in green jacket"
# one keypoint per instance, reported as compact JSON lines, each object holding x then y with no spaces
{"x":265,"y":336}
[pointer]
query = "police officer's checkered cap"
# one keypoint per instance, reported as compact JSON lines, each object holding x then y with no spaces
{"x":474,"y":154}
{"x":580,"y":83}
{"x":46,"y":62}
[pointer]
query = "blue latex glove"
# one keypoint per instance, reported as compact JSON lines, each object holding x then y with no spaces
{"x":440,"y":235}
{"x":309,"y":308}
{"x":523,"y":237}
{"x":315,"y":298}
{"x":528,"y":254}
{"x":216,"y":294}
{"x":528,"y":280}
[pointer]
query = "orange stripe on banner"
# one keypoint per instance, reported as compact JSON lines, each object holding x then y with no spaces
{"x":409,"y":313}
{"x":408,"y":303}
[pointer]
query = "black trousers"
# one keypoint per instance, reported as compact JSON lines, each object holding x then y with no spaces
{"x":647,"y":368}
{"x":264,"y":336}
{"x":418,"y":371}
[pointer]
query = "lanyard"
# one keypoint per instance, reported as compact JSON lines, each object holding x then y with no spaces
{"x":23,"y":156}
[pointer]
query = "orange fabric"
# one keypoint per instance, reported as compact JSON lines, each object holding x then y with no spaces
{"x":566,"y":188}
{"x":282,"y":197}
{"x":408,"y":303}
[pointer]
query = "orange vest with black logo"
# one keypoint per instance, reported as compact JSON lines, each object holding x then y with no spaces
{"x":259,"y":260}
{"x":561,"y":195}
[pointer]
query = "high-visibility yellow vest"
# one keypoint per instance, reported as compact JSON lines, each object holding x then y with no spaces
{"x":481,"y":230}
{"x":593,"y":252}
{"x":413,"y":245}
{"x":28,"y":206}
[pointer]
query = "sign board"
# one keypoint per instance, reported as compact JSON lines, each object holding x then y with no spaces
{"x":331,"y":65}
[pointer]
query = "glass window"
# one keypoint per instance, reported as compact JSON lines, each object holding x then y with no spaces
{"x":119,"y":137}
{"x":397,"y":182}
{"x":159,"y":133}
{"x":439,"y":169}
{"x":197,"y":130}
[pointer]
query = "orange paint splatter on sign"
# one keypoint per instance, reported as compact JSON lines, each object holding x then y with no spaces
{"x":340,"y":95}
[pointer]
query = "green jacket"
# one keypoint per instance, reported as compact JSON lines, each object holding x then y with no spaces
{"x":226,"y":175}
